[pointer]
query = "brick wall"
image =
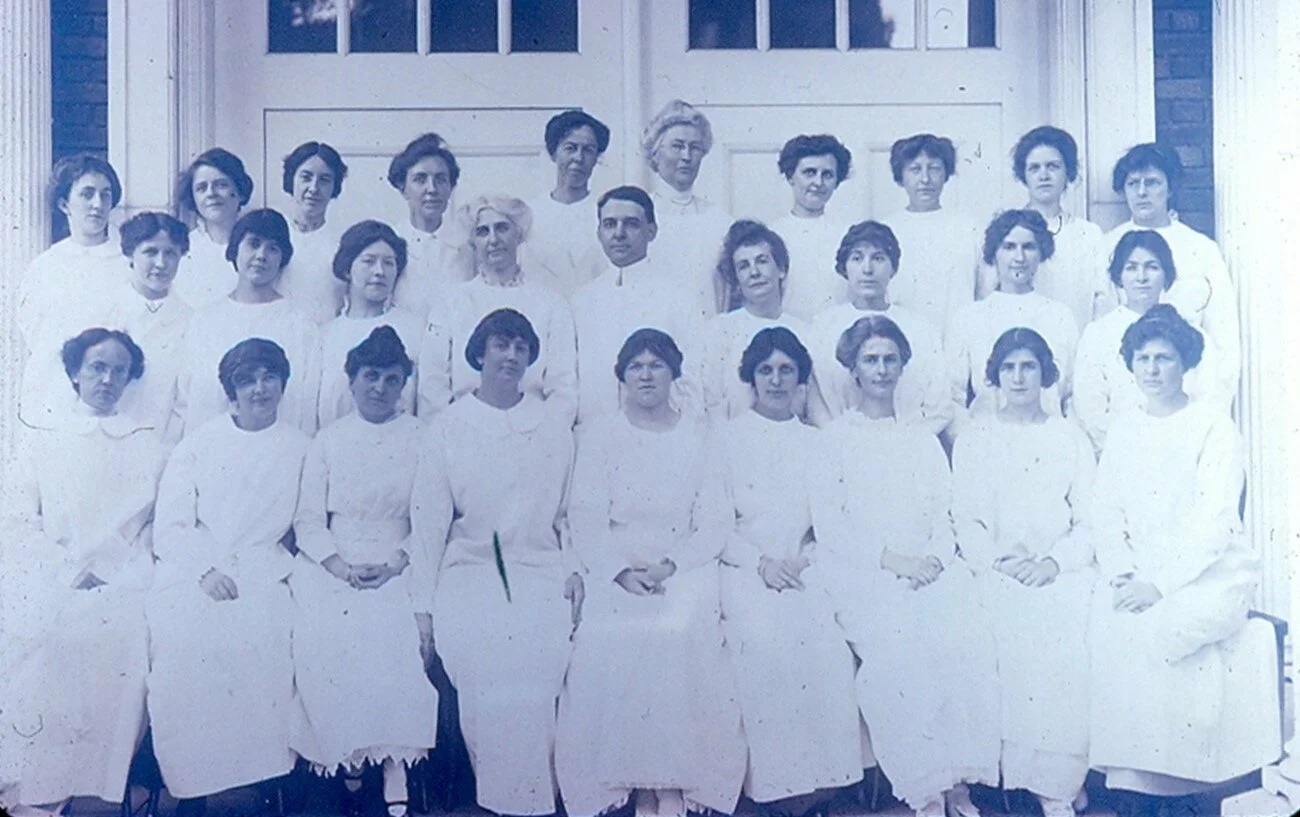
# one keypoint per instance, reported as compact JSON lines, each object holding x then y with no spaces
{"x":1184,"y":101}
{"x":79,"y":48}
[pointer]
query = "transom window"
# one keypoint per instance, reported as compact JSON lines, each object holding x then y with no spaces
{"x":764,"y":25}
{"x":422,"y":26}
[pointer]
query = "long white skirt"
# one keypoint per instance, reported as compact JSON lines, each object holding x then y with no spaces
{"x":75,"y":694}
{"x":362,"y":691}
{"x":921,"y":687}
{"x":1042,"y":651}
{"x":795,"y":676}
{"x":506,"y":661}
{"x":221,"y":686}
{"x":650,"y":699}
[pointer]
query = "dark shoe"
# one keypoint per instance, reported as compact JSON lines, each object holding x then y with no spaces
{"x":192,"y":807}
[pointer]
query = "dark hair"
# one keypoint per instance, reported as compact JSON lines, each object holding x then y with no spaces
{"x":868,"y":232}
{"x":1006,"y":221}
{"x":265,"y":223}
{"x":505,"y":323}
{"x":803,"y":146}
{"x":141,"y":227}
{"x":74,"y":351}
{"x":908,"y":148}
{"x":566,"y":122}
{"x":422,"y":147}
{"x":1163,"y":321}
{"x":70,"y":168}
{"x":381,"y":348}
{"x":356,"y":238}
{"x":1152,"y":242}
{"x":772,"y":339}
{"x":660,"y":344}
{"x":746,"y":233}
{"x":632,"y":193}
{"x":862,"y":330}
{"x":1052,"y":138}
{"x":328,"y":155}
{"x":1013,"y":340}
{"x":1147,"y":156}
{"x":251,"y":353}
{"x":222,"y":160}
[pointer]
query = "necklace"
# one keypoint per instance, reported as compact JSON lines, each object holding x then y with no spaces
{"x":1060,"y":224}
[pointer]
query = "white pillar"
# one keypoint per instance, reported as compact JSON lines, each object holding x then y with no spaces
{"x":1068,"y":87}
{"x":25,"y":159}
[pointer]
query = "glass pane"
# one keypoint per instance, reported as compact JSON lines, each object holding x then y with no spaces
{"x":803,"y":23}
{"x":961,"y":23}
{"x":301,"y":26}
{"x":383,"y":26}
{"x":882,"y":23}
{"x":723,"y":24}
{"x":544,"y":25}
{"x":464,"y":25}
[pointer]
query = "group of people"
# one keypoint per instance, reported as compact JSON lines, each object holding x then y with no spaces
{"x":686,"y":506}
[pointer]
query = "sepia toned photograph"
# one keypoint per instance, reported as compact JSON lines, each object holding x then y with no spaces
{"x":648,"y":408}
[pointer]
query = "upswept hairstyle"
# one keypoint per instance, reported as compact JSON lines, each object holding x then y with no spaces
{"x":74,"y":351}
{"x":632,"y":193}
{"x":566,"y":122}
{"x":908,"y":148}
{"x":1152,"y":242}
{"x":141,"y":227}
{"x":305,"y":151}
{"x":864,"y":329}
{"x":872,"y":233}
{"x":803,"y":146}
{"x":656,"y":342}
{"x":220,"y":159}
{"x":772,"y":339}
{"x":1163,"y":321}
{"x":505,"y":323}
{"x":381,"y":348}
{"x":1148,"y":156}
{"x":356,"y":238}
{"x":67,"y":170}
{"x":422,"y":146}
{"x":517,"y":210}
{"x":249,"y":354}
{"x":1006,"y":221}
{"x":1052,"y":137}
{"x":674,"y":113}
{"x":747,"y":233}
{"x":264,"y":223}
{"x":1013,"y":340}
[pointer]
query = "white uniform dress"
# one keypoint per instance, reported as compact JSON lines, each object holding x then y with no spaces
{"x":794,"y":668}
{"x":562,"y":252}
{"x":221,"y":673}
{"x":939,"y":267}
{"x":340,"y":336}
{"x":1023,"y":489}
{"x":158,"y":327}
{"x":308,"y":279}
{"x":204,"y":276}
{"x":671,"y":720}
{"x":691,"y":232}
{"x":65,"y":290}
{"x":812,"y":284}
{"x":80,"y":498}
{"x":361,"y":685}
{"x":726,"y":337}
{"x":1204,"y":294}
{"x":1192,"y":670}
{"x":978,"y":326}
{"x":922,"y":392}
{"x":446,"y":373}
{"x":484,"y":475}
{"x":435,"y":262}
{"x":217,"y":328}
{"x":882,"y":484}
{"x":609,"y":309}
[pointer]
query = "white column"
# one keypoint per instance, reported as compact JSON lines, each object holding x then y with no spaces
{"x":195,"y":93}
{"x":25,"y":159}
{"x":1068,"y":86}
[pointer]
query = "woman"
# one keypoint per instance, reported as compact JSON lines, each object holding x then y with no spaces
{"x":649,"y":527}
{"x":75,"y":539}
{"x":867,"y":259}
{"x":754,"y":265}
{"x":492,"y":579}
{"x":1021,"y":479}
{"x":1170,"y":643}
{"x":1142,"y":269}
{"x":153,"y":244}
{"x":259,"y":248}
{"x":1150,"y":178}
{"x":370,"y":260}
{"x":562,"y":251}
{"x":906,"y":600}
{"x":364,"y":698}
{"x":814,"y":167}
{"x":313,"y":177}
{"x":426,"y":174}
{"x":794,"y":670}
{"x":212,"y":191}
{"x":221,"y":675}
{"x":1046,"y":161}
{"x":497,"y":226}
{"x":74,"y":284}
{"x":674,"y":144}
{"x":1016,"y":241}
